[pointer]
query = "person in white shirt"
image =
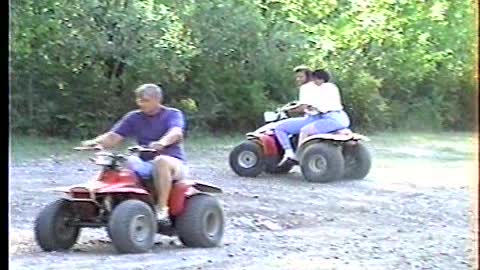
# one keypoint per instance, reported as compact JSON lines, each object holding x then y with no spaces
{"x":321,"y":103}
{"x":293,"y":125}
{"x":327,"y":102}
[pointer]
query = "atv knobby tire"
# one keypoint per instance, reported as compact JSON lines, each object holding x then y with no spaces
{"x":52,"y":231}
{"x":246,"y":159}
{"x":132,"y":227}
{"x":202,"y":222}
{"x":358,"y":161}
{"x":322,"y":162}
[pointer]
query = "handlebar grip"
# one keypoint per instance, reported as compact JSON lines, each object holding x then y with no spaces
{"x":148,"y":150}
{"x":87,"y":148}
{"x":141,"y":149}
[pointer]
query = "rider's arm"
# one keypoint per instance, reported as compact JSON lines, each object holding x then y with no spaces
{"x":304,"y":97}
{"x":300,"y":108}
{"x":107,"y":140}
{"x":174,"y":135}
{"x":123,"y":128}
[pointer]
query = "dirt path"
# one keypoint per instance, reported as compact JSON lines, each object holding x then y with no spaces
{"x":413,"y":216}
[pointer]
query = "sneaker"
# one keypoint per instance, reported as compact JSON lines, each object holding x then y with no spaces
{"x":289,"y":156}
{"x":162,"y":214}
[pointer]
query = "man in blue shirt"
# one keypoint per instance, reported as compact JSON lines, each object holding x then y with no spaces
{"x":156,"y":126}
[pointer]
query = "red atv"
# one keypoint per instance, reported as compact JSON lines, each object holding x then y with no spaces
{"x":322,"y":157}
{"x":123,"y":203}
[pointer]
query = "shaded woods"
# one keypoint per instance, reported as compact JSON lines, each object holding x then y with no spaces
{"x":399,"y":63}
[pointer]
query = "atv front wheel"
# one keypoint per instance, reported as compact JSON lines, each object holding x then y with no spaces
{"x":358,"y":161}
{"x":321,"y":162}
{"x":132,"y":227}
{"x":52,"y":229}
{"x":202,"y":222}
{"x":246,"y":159}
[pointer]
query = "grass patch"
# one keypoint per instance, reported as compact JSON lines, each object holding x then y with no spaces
{"x":209,"y":142}
{"x":445,"y":146}
{"x":28,"y":148}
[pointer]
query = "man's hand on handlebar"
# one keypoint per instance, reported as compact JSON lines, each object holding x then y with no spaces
{"x":95,"y":147}
{"x":139,"y":148}
{"x":156,"y":145}
{"x":89,"y":143}
{"x":300,"y":109}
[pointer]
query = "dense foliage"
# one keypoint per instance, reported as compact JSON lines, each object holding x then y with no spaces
{"x":406,"y":64}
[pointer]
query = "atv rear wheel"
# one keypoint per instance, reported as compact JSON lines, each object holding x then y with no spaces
{"x":246,"y":159}
{"x":358,"y":161}
{"x":321,"y":162}
{"x":132,"y":227}
{"x":52,"y":231}
{"x":202,"y":222}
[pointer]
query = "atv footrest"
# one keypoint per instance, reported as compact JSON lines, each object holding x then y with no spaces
{"x":88,"y":224}
{"x":165,"y":228}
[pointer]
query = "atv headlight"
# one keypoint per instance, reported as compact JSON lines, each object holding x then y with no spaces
{"x":103,"y":159}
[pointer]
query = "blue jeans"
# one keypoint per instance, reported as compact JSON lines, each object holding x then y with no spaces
{"x":292,"y":126}
{"x":329,"y":122}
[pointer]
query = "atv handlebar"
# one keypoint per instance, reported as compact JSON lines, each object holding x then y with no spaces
{"x":88,"y":148}
{"x":109,"y":159}
{"x":132,"y":149}
{"x":139,"y":148}
{"x":289,"y":106}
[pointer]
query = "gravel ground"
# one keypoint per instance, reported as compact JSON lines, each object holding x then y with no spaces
{"x":414,"y":215}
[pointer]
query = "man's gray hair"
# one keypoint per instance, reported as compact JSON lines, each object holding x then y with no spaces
{"x":149,"y":90}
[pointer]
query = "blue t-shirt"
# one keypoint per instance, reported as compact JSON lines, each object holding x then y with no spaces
{"x":149,"y":128}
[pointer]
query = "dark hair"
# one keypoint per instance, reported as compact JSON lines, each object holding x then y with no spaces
{"x":321,"y":74}
{"x":307,"y":72}
{"x":308,"y":75}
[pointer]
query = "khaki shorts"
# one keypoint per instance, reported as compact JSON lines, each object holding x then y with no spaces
{"x":146,"y":168}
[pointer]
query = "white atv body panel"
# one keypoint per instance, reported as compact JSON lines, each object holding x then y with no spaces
{"x":341,"y":137}
{"x":263,"y":129}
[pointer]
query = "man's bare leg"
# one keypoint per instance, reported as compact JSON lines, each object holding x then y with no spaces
{"x":167,"y":168}
{"x":163,"y":185}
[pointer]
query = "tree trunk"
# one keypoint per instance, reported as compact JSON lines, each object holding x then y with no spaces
{"x":30,"y":98}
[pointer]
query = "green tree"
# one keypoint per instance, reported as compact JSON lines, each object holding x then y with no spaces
{"x":399,"y":64}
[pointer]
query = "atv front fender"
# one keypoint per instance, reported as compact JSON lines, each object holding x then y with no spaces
{"x":267,"y":142}
{"x":101,"y":188}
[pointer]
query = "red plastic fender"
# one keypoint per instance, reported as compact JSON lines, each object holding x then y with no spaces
{"x":123,"y":181}
{"x":125,"y":176}
{"x":180,"y":191}
{"x":269,"y":145}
